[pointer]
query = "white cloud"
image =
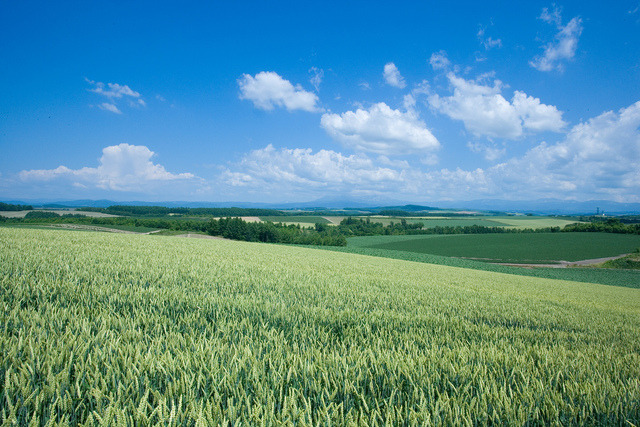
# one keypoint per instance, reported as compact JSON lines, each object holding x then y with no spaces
{"x":597,"y":158}
{"x":485,"y":112}
{"x":536,"y":116}
{"x":551,"y":17}
{"x":286,"y":170}
{"x":316,"y":77}
{"x":490,"y":151}
{"x":439,"y":60}
{"x":110,"y":107}
{"x":380,"y":130}
{"x":392,"y":76}
{"x":600,"y":156}
{"x":114,"y":92}
{"x":364,"y":86}
{"x":268,"y":90}
{"x":122,"y":167}
{"x":563,"y":47}
{"x":302,"y":173}
{"x":488,"y":42}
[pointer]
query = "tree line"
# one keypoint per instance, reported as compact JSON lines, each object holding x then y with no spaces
{"x":12,"y":207}
{"x":320,"y":234}
{"x":610,"y":225}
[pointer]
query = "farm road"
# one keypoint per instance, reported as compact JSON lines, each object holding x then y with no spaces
{"x":565,"y":264}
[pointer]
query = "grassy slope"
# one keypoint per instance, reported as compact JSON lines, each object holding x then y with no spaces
{"x":631,"y":261}
{"x":252,"y":332}
{"x":526,"y":247}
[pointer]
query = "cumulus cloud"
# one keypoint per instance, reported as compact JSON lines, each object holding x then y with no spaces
{"x":597,"y":158}
{"x":485,"y":112}
{"x":115,"y":92}
{"x":122,"y":167}
{"x":439,"y":60}
{"x":392,"y":76}
{"x":300,"y":169}
{"x":305,"y":173}
{"x":600,"y":156}
{"x":563,"y":47}
{"x":380,"y":130}
{"x":268,"y":90}
{"x":536,"y":116}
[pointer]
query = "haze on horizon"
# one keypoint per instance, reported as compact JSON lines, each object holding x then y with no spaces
{"x":292,"y":102}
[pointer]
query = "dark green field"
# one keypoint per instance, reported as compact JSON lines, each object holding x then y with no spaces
{"x":604,"y":276}
{"x":516,"y":248}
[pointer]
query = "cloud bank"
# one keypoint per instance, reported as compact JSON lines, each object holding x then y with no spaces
{"x":597,"y":158}
{"x":122,"y":168}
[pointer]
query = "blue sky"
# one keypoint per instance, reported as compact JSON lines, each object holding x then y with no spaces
{"x":294,"y":101}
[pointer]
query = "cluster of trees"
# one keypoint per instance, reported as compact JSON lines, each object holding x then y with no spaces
{"x":54,"y":218}
{"x":41,"y":214}
{"x":269,"y":232}
{"x":11,"y":207}
{"x":230,"y":228}
{"x":366,"y":227}
{"x":160,"y":211}
{"x":610,"y":225}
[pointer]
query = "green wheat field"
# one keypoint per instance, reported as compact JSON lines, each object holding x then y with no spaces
{"x":110,"y":329}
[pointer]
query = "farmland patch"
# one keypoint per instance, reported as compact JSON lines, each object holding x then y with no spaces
{"x":516,"y":248}
{"x":226,"y":330}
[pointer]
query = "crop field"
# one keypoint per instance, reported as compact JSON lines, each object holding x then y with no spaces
{"x":459,"y":222}
{"x":511,"y":248}
{"x":296,"y":219}
{"x":100,"y":328}
{"x":430,"y":222}
{"x":618,"y":277}
{"x":534,"y":221}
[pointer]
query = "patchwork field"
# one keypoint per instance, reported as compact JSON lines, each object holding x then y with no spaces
{"x":105,"y":328}
{"x":508,"y":247}
{"x":533,"y":221}
{"x":489,"y":221}
{"x":296,"y":219}
{"x":443,"y":222}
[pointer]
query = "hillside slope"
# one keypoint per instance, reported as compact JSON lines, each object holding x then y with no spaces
{"x":99,"y":327}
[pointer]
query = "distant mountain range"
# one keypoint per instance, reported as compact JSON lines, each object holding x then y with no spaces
{"x":538,"y":207}
{"x":547,"y":206}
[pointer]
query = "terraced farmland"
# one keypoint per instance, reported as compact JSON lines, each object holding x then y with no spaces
{"x":102,"y":328}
